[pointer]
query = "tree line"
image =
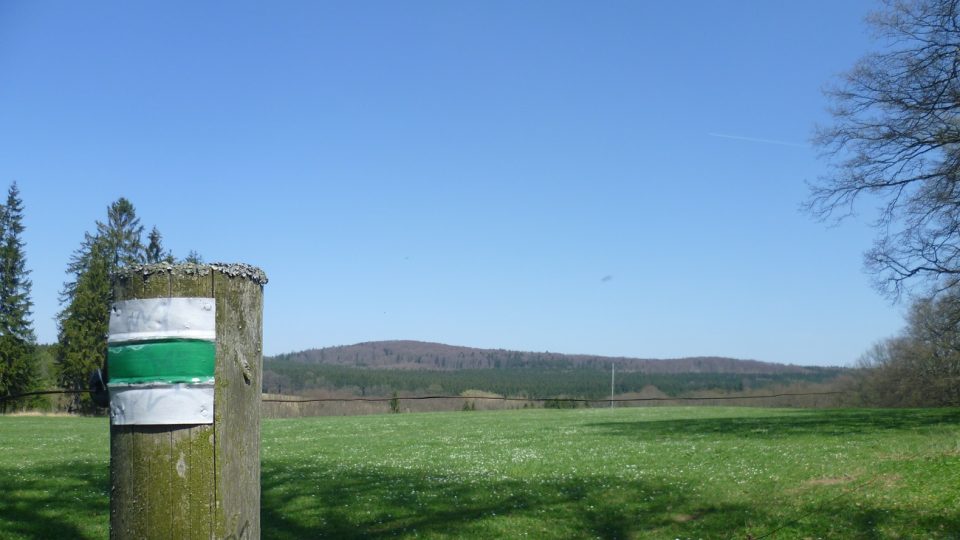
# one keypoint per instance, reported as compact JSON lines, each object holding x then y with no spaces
{"x":285,"y":376}
{"x":85,"y":298}
{"x":920,"y":367}
{"x":418,"y":355}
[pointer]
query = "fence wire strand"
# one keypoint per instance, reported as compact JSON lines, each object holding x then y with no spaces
{"x":529,"y":399}
{"x":13,"y":397}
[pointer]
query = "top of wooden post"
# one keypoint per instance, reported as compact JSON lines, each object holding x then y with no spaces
{"x":236,"y":270}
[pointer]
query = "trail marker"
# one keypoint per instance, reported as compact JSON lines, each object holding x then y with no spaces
{"x":184,"y":375}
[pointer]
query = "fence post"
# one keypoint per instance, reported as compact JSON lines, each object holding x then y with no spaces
{"x":184,"y":372}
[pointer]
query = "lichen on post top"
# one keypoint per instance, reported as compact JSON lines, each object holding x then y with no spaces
{"x":241,"y":270}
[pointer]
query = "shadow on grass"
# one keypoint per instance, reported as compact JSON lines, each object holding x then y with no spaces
{"x":312,"y":502}
{"x":303,"y":502}
{"x":64,"y":500}
{"x":831,"y":422}
{"x":71,"y":501}
{"x":854,"y":519}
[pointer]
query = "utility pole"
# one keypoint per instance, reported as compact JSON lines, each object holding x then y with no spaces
{"x":613,"y":372}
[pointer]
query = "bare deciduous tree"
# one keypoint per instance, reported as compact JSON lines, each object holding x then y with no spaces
{"x":895,"y":138}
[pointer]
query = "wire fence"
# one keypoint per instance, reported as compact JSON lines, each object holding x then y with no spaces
{"x":556,"y":399}
{"x":14,"y":397}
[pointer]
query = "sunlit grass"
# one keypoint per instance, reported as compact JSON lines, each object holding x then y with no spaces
{"x":597,"y":473}
{"x":54,"y":477}
{"x":627,"y":473}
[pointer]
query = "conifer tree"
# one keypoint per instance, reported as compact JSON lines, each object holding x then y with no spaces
{"x":17,"y":340}
{"x":79,"y":261}
{"x":155,"y":252}
{"x":83,"y":326}
{"x":194,"y":257}
{"x":121,"y":235}
{"x":119,"y":239}
{"x":85,"y":318}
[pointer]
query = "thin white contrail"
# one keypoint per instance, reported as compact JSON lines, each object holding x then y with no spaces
{"x":755,"y":139}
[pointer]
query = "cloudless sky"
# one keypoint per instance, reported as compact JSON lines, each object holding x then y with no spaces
{"x":615,"y":178}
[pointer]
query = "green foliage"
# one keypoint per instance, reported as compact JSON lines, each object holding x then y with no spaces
{"x":45,"y":360}
{"x":18,"y":371}
{"x":83,"y":327}
{"x":155,"y":252}
{"x":117,"y":241}
{"x":15,"y":284}
{"x":560,"y":403}
{"x":121,"y":235}
{"x":394,"y":404}
{"x":193,"y":257}
{"x":921,"y":366}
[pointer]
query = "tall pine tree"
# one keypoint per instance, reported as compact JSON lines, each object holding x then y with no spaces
{"x":118,"y":240}
{"x":17,"y":341}
{"x":83,"y":327}
{"x":121,"y":235}
{"x":85,"y":319}
{"x":155,"y":252}
{"x":194,"y":257}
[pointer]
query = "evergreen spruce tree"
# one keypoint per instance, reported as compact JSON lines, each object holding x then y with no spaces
{"x":155,"y":252}
{"x":17,"y":341}
{"x":121,"y":235}
{"x":83,"y":327}
{"x":79,"y":261}
{"x":84,"y":320}
{"x":119,"y":239}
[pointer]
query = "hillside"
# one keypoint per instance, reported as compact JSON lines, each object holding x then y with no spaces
{"x":418,"y":355}
{"x":416,"y":368}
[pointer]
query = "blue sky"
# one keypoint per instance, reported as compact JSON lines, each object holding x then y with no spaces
{"x":616,"y":178}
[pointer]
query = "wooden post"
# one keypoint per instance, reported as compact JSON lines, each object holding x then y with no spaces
{"x":178,"y":469}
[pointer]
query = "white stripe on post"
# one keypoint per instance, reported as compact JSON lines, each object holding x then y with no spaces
{"x":163,"y":318}
{"x":142,"y":404}
{"x":144,"y":394}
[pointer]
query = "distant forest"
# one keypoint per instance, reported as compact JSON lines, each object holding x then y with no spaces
{"x":381,"y":368}
{"x":421,"y":355}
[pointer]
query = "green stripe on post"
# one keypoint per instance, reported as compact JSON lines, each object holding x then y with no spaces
{"x":166,"y":361}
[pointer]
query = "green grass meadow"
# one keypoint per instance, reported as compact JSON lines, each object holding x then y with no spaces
{"x":664,"y":472}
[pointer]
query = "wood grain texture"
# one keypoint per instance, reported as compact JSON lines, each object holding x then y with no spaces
{"x":236,"y":405}
{"x":196,"y":481}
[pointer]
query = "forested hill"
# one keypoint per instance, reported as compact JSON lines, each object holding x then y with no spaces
{"x":418,"y":355}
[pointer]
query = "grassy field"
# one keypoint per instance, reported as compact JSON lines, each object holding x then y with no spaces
{"x":599,"y":473}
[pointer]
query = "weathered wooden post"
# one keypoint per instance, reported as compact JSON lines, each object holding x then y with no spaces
{"x":184,"y":375}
